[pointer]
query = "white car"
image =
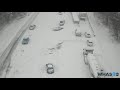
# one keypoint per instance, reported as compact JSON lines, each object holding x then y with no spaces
{"x":62,"y":23}
{"x":87,"y":35}
{"x":89,"y":43}
{"x":50,"y":68}
{"x":32,"y":27}
{"x":78,"y":34}
{"x":57,"y":28}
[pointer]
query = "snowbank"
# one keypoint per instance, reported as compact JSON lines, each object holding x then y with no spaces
{"x":110,"y":49}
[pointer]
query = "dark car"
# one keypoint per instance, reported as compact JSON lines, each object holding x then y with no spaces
{"x":25,"y":40}
{"x":50,"y":68}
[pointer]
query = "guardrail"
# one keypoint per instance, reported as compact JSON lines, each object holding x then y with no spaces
{"x":90,"y":24}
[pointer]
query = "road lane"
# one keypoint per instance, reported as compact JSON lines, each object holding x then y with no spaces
{"x":30,"y":60}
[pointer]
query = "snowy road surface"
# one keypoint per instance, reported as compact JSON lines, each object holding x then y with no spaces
{"x":29,"y":60}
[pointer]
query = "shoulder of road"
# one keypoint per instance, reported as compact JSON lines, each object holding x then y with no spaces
{"x":9,"y":35}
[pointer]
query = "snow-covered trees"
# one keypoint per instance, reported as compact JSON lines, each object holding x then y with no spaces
{"x":6,"y":17}
{"x":112,"y":19}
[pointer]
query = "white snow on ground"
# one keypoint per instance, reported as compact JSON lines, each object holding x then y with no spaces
{"x":9,"y":35}
{"x":110,"y":49}
{"x":9,"y":32}
{"x":30,"y":60}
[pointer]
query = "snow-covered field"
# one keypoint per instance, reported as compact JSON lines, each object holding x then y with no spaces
{"x":110,"y":48}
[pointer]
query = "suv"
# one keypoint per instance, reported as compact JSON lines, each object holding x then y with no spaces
{"x":50,"y":68}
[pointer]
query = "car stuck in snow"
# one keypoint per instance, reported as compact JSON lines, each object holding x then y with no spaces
{"x":50,"y":68}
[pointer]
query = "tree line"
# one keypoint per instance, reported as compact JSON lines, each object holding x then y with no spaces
{"x":112,"y":20}
{"x":7,"y":17}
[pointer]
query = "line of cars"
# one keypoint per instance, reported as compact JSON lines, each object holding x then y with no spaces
{"x":50,"y":67}
{"x":61,"y":24}
{"x":86,"y":52}
{"x":90,"y":58}
{"x":25,"y":41}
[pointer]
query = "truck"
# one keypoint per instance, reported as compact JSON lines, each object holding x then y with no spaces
{"x":75,"y":18}
{"x":83,"y":16}
{"x":91,"y":60}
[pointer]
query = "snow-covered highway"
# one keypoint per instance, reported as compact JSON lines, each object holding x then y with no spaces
{"x":61,"y":48}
